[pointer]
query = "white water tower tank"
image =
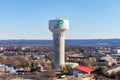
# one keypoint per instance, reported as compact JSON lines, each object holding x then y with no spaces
{"x":58,"y":25}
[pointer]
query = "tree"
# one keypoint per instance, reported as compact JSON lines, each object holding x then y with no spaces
{"x":66,"y":69}
{"x":99,"y":70}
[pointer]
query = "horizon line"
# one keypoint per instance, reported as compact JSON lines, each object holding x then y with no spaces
{"x":65,"y":39}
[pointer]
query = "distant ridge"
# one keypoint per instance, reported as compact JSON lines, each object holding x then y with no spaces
{"x":69,"y":42}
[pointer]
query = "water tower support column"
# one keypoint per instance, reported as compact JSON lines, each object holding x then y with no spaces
{"x":59,"y":49}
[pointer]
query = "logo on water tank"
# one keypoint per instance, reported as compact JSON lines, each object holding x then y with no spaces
{"x":59,"y":24}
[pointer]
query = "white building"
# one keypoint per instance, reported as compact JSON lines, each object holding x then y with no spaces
{"x":4,"y":68}
{"x":72,"y":64}
{"x":109,"y":59}
{"x":113,"y":70}
{"x":1,"y":48}
{"x":116,"y":51}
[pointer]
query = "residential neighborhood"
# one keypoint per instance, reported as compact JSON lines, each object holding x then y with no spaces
{"x":35,"y":63}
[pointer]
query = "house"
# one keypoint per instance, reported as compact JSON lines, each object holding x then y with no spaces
{"x":75,"y":57}
{"x":72,"y":64}
{"x":84,"y":69}
{"x":11,"y":69}
{"x":80,"y":70}
{"x":113,"y":70}
{"x":2,"y":69}
{"x":106,"y":61}
{"x":83,"y":72}
{"x":115,"y":51}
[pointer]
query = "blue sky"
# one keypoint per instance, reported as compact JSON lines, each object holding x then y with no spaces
{"x":89,"y":19}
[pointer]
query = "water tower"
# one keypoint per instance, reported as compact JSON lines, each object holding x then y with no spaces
{"x":58,"y":28}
